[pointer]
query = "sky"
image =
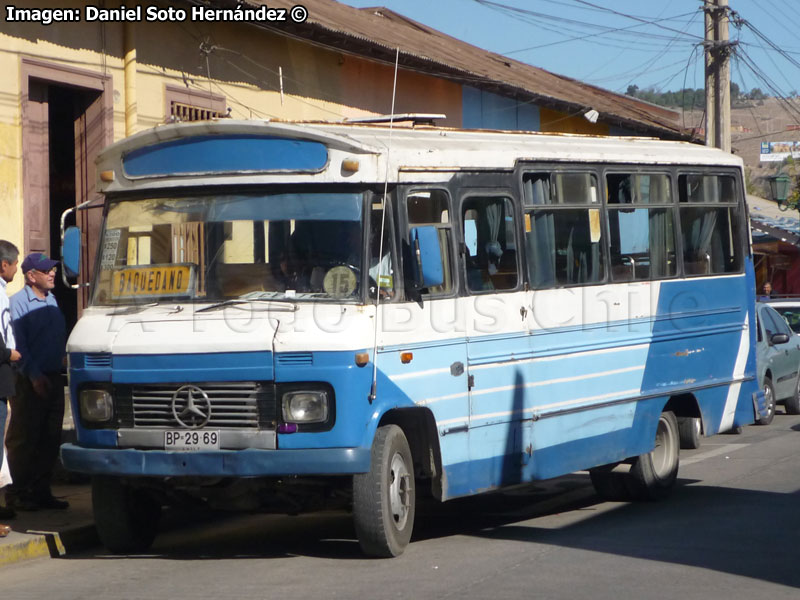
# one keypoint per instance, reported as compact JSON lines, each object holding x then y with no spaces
{"x":617,"y":43}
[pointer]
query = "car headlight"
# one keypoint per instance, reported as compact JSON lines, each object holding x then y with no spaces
{"x":304,"y":406}
{"x":97,"y":406}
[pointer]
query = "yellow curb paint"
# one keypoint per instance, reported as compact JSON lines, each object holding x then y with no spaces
{"x":59,"y":547}
{"x":25,"y":549}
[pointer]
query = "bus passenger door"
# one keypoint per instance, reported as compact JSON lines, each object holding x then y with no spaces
{"x":497,"y":335}
{"x":431,"y":325}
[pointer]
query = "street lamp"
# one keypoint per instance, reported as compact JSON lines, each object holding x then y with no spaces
{"x":779,"y":188}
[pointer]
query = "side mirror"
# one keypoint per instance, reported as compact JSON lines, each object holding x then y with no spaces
{"x":779,"y":338}
{"x":428,"y":270}
{"x":71,"y":252}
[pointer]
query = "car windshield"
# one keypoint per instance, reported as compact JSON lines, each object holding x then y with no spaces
{"x":791,"y":314}
{"x":212,"y":248}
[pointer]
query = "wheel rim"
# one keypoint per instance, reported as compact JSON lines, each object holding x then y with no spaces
{"x":399,"y":490}
{"x":769,"y":400}
{"x":664,"y":453}
{"x":697,"y":427}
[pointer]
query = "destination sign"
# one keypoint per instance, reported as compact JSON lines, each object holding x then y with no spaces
{"x":153,"y":280}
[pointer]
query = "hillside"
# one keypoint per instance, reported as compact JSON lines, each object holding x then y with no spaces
{"x":767,"y":120}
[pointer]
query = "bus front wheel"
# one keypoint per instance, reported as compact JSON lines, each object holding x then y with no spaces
{"x":384,"y":499}
{"x":126,"y":519}
{"x":652,"y":475}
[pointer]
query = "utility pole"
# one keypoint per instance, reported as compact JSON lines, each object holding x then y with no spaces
{"x":718,"y":75}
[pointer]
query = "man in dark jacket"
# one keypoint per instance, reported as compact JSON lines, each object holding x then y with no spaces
{"x":34,"y":433}
{"x":9,"y":257}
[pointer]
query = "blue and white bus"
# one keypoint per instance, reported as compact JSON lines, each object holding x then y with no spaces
{"x":284,"y":313}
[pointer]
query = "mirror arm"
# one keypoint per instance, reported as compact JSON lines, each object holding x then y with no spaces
{"x":64,"y":216}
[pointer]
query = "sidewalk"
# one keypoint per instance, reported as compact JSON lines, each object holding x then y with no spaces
{"x":51,"y":532}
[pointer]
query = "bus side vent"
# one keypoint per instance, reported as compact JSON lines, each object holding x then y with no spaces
{"x":295,"y":359}
{"x":98,"y":360}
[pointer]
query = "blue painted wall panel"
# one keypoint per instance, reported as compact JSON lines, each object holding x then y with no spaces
{"x":484,"y":110}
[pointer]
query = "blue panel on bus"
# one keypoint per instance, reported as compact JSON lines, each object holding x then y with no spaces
{"x":226,"y":154}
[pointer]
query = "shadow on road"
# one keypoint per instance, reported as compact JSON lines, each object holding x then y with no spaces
{"x":741,"y":532}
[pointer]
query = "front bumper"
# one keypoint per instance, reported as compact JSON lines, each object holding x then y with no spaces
{"x":218,"y":463}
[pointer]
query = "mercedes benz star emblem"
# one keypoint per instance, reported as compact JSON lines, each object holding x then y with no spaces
{"x":191,"y":407}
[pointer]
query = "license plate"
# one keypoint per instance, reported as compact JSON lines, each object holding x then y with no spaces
{"x":191,"y":440}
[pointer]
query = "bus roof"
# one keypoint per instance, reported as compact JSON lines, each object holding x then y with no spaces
{"x":417,"y":150}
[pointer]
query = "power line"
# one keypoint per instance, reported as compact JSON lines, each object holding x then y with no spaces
{"x":649,"y":65}
{"x":535,"y":18}
{"x":582,"y":37}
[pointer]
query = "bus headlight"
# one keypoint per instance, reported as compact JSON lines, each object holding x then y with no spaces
{"x":97,"y":406}
{"x":305,"y":406}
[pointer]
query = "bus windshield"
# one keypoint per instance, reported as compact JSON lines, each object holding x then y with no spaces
{"x":210,"y":248}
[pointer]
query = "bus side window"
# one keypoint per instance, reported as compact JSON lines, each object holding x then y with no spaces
{"x":640,"y":226}
{"x":710,"y":224}
{"x":491,"y":250}
{"x":432,"y":207}
{"x":563,"y":229}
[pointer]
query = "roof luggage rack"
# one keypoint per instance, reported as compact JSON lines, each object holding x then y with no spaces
{"x":414,"y":118}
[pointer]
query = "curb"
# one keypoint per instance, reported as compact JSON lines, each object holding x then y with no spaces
{"x":25,"y":548}
{"x":55,"y":544}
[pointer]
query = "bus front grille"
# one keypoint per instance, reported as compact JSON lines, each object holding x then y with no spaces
{"x":228,"y":405}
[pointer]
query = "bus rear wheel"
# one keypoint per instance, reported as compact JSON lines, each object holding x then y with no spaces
{"x":690,"y":430}
{"x":126,"y":519}
{"x":652,"y":475}
{"x":384,"y":499}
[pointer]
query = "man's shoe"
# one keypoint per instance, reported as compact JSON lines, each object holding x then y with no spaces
{"x":6,"y":512}
{"x":51,"y":502}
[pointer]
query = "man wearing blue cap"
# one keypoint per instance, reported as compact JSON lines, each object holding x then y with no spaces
{"x":37,"y":412}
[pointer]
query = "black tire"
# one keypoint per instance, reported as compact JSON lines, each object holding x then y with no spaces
{"x":384,"y":500}
{"x":793,"y":404}
{"x":769,"y":394}
{"x":689,"y":431}
{"x":652,"y":475}
{"x":609,"y":484}
{"x":126,"y":519}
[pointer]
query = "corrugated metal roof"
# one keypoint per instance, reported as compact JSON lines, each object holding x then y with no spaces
{"x":767,"y":221}
{"x":377,"y":33}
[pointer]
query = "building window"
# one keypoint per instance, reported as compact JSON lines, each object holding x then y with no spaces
{"x":193,"y":105}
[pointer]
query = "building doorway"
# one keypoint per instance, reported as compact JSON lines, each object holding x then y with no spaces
{"x":66,"y":122}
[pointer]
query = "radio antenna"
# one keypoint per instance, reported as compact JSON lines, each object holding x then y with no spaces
{"x":374,"y":389}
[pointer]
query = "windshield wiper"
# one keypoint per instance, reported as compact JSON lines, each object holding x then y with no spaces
{"x":244,"y":300}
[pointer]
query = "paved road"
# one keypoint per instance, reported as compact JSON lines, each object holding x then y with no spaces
{"x":730,"y":530}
